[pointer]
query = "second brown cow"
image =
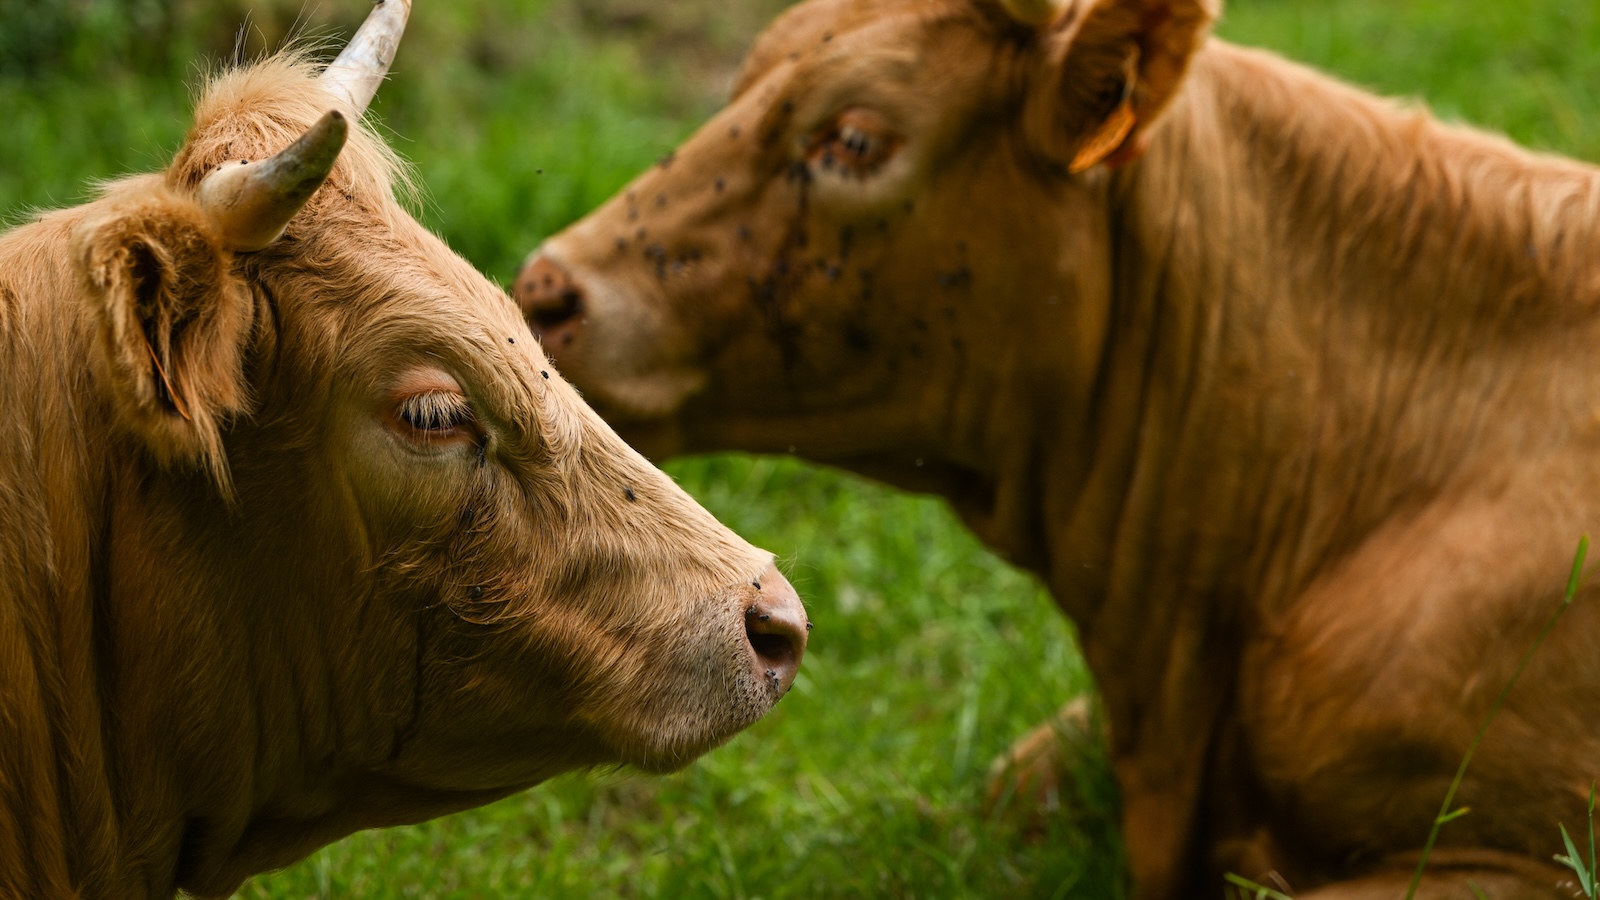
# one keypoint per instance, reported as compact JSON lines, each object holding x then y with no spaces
{"x":1286,"y":391}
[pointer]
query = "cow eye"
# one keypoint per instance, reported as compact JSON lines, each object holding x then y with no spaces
{"x":436,"y":414}
{"x":855,"y":145}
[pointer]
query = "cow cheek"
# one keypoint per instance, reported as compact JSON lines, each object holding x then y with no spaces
{"x":497,"y":711}
{"x":813,"y":328}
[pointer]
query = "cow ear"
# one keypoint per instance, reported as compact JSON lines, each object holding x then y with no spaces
{"x":174,"y":323}
{"x":1112,"y":67}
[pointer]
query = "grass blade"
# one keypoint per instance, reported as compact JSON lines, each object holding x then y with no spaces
{"x":1575,"y":862}
{"x":1588,"y":890}
{"x":1257,"y":891}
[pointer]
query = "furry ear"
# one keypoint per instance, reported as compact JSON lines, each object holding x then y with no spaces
{"x":1111,"y":69}
{"x":174,"y":321}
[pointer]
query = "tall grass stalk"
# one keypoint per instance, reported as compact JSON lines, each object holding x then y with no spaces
{"x":1572,"y":860}
{"x":1445,"y":813}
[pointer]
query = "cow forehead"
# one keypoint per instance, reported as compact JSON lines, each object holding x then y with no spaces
{"x":813,"y":28}
{"x":373,"y":308}
{"x":898,"y":58}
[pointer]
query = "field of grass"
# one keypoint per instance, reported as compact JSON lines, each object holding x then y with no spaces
{"x":930,"y":656}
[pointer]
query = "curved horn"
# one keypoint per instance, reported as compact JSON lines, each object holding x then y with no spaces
{"x":1033,"y":12}
{"x":251,"y":203}
{"x":354,"y":77}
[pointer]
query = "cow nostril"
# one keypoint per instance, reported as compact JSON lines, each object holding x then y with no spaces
{"x":775,"y":625}
{"x":775,"y":651}
{"x":567,"y":304}
{"x":549,"y":297}
{"x":778,"y":647}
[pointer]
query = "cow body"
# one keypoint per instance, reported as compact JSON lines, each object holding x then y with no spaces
{"x":302,"y":535}
{"x":1283,"y":390}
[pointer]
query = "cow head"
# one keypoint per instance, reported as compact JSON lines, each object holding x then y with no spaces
{"x":845,"y":254}
{"x":370,"y":558}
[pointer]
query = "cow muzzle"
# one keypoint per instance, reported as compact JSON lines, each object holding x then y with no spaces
{"x":776,"y":627}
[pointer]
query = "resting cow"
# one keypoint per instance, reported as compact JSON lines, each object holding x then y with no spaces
{"x":1287,"y":392}
{"x":300,"y":534}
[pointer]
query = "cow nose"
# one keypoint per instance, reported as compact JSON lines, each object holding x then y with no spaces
{"x":776,"y":625}
{"x":551,"y":302}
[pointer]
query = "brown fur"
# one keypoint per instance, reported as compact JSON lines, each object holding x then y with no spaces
{"x":1295,"y":414}
{"x":259,"y":611}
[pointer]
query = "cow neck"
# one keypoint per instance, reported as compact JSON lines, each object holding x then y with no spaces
{"x":94,"y":687}
{"x":1317,"y":295}
{"x":58,"y":830}
{"x":98,"y":818}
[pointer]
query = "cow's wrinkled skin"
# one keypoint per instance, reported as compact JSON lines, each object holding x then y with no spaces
{"x":310,"y":538}
{"x":1287,"y":392}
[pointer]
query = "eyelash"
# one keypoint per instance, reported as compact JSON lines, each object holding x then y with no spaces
{"x":436,"y":413}
{"x":851,"y":151}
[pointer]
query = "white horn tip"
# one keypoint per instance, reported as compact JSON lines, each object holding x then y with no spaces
{"x":355,"y":76}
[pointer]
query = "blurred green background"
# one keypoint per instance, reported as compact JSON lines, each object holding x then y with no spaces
{"x":930,"y":656}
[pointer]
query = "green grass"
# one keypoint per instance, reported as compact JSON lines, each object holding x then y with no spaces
{"x":930,"y":656}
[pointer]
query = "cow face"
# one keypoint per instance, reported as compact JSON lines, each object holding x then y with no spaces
{"x":899,"y":195}
{"x":373,"y":553}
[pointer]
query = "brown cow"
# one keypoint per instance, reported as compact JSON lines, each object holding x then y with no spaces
{"x":1288,"y":393}
{"x":301,"y":535}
